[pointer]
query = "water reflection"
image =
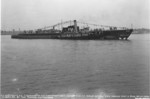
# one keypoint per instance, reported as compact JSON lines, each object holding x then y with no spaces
{"x":86,"y":67}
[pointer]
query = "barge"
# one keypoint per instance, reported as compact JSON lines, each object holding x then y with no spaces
{"x":76,"y":33}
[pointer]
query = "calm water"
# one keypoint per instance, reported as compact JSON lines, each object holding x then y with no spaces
{"x":84,"y":67}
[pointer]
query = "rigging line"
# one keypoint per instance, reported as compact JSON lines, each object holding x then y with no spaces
{"x":100,"y":25}
{"x":57,"y":24}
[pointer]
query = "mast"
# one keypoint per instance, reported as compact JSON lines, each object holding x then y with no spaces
{"x":61,"y":25}
{"x":75,"y":26}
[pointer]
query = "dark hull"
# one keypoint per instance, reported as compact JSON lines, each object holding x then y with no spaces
{"x":107,"y":34}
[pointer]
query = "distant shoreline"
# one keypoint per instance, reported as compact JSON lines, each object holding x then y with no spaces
{"x":135,"y":31}
{"x":141,"y":31}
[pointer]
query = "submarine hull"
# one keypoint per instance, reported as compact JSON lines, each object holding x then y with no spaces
{"x":107,"y":34}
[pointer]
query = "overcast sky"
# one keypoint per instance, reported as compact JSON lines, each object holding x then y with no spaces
{"x":33,"y":14}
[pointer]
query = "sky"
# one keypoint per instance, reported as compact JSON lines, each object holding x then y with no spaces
{"x":34,"y":14}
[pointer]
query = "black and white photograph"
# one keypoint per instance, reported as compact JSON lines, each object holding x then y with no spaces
{"x":75,"y":49}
